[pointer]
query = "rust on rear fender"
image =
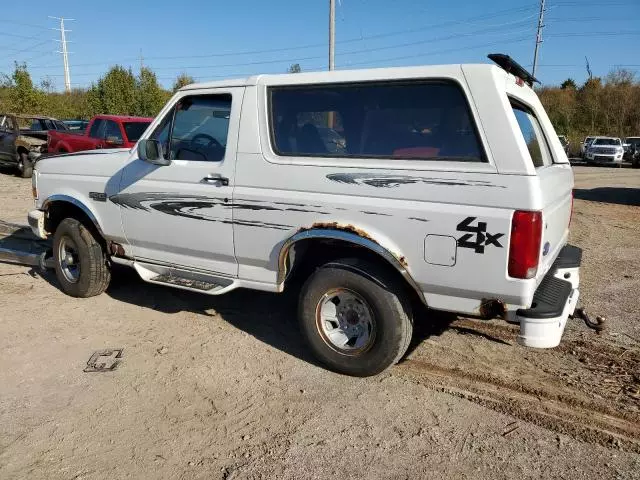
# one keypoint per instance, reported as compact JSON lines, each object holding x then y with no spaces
{"x":365,"y":240}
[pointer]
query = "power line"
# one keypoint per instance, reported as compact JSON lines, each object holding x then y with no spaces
{"x":323,"y":45}
{"x":318,"y":57}
{"x":22,"y":24}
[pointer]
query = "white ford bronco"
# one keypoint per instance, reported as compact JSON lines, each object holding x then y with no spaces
{"x":377,"y":190}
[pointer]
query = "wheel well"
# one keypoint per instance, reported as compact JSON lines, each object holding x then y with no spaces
{"x":59,"y":210}
{"x":306,"y":255}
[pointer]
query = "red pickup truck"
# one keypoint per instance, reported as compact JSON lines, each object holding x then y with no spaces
{"x":103,"y":131}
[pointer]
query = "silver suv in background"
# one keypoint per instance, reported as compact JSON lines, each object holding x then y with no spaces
{"x":605,"y":150}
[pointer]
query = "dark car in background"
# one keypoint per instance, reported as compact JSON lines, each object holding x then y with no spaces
{"x":76,"y":125}
{"x":23,"y":139}
{"x":631,"y":146}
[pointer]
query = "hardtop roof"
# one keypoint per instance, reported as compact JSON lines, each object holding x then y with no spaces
{"x":337,"y":76}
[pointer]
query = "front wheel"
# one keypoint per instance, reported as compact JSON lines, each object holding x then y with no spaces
{"x":25,"y":166}
{"x":355,"y":317}
{"x":80,"y":262}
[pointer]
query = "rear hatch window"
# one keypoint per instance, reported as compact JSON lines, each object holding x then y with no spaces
{"x":533,"y":136}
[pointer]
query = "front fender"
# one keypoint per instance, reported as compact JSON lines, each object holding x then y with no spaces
{"x":46,"y":204}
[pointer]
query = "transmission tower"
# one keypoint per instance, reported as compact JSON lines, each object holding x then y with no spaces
{"x":64,"y":52}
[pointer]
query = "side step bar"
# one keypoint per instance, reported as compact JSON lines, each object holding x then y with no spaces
{"x":184,"y":282}
{"x":43,"y":261}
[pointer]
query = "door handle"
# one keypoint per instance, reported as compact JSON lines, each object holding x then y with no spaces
{"x":215,"y":178}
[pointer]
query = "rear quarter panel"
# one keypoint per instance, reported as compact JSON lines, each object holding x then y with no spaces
{"x":398,"y":203}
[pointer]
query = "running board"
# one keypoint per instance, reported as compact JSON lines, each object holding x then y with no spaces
{"x":184,"y":282}
{"x":184,"y":279}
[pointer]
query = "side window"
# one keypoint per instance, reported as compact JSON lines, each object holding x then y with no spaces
{"x":60,"y":125}
{"x":112,"y":130}
{"x":95,"y":127}
{"x":419,"y":120}
{"x":196,"y":129}
{"x":533,"y":136}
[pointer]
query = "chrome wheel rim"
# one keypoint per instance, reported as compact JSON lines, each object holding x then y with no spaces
{"x":345,"y":321}
{"x":68,"y":260}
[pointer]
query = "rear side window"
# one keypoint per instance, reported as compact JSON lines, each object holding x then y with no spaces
{"x":134,"y":130}
{"x":95,"y":127}
{"x":533,"y":136}
{"x":416,"y":120}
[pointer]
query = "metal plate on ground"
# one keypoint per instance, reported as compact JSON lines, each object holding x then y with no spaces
{"x":104,"y":360}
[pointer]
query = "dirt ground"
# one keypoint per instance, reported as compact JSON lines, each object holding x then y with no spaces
{"x":221,"y":387}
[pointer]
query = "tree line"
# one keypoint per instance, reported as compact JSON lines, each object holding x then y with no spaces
{"x":600,"y":106}
{"x":118,"y":92}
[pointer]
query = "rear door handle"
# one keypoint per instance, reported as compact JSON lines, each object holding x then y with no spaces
{"x":215,"y":179}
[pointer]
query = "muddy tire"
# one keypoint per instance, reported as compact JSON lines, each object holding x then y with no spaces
{"x":25,"y":166}
{"x":355,"y":317}
{"x":80,"y":262}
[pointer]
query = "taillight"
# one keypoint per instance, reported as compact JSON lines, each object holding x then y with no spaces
{"x":524,"y":248}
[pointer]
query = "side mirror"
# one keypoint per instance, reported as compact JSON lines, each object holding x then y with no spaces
{"x":151,"y":151}
{"x":114,"y":141}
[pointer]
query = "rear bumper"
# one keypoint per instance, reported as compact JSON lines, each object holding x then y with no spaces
{"x":555,"y":299}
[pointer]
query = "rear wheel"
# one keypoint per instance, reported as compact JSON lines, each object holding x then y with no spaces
{"x":355,"y":317}
{"x":25,"y":165}
{"x":80,"y":262}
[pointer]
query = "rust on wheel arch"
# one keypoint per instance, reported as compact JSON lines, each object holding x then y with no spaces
{"x":348,"y":233}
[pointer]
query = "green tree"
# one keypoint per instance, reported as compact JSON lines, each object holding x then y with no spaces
{"x":295,"y":68}
{"x":23,"y":96}
{"x":182,"y":81}
{"x":569,"y":83}
{"x":590,"y":100}
{"x":115,"y":93}
{"x":150,"y":96}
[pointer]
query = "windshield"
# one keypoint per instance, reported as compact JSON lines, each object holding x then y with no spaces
{"x":607,"y":141}
{"x":135,"y":130}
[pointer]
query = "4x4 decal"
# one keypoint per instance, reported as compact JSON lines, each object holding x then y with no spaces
{"x":478,"y":238}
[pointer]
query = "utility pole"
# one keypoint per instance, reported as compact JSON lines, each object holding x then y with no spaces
{"x":332,"y":34}
{"x":64,"y":52}
{"x":538,"y":37}
{"x":332,"y":51}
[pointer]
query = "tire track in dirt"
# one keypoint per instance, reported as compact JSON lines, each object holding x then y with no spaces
{"x":593,"y":412}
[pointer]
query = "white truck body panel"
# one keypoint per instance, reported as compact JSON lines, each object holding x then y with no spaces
{"x":417,"y":211}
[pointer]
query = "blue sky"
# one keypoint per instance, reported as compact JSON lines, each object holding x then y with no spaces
{"x":215,"y":39}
